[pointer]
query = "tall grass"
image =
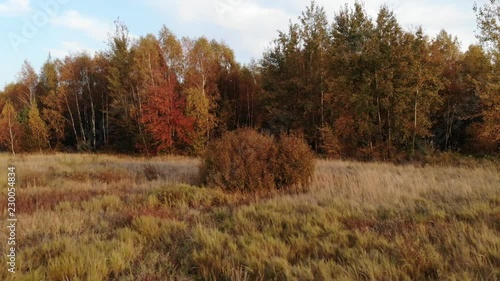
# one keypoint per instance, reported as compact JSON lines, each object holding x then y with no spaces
{"x":89,"y":217}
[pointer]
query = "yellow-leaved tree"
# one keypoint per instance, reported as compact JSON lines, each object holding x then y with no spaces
{"x":38,"y":131}
{"x":10,"y":134}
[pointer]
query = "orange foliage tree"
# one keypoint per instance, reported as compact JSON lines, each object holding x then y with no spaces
{"x":164,"y":116}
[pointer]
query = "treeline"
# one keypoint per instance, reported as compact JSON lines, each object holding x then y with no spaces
{"x":355,"y":87}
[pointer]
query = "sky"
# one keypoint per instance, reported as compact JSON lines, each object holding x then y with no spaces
{"x":31,"y":29}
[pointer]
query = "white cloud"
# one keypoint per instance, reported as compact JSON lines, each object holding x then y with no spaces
{"x":248,"y":26}
{"x":70,"y":47}
{"x":14,"y":7}
{"x":254,"y":25}
{"x":456,"y":17}
{"x":93,"y":28}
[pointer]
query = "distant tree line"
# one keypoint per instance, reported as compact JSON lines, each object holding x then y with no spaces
{"x":355,"y":87}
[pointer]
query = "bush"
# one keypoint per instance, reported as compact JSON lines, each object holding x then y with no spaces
{"x":294,"y":162}
{"x":240,"y":160}
{"x":248,"y":161}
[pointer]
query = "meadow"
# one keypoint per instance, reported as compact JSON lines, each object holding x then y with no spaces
{"x":101,"y":217}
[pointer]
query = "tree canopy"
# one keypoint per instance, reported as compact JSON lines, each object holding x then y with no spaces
{"x":354,"y":86}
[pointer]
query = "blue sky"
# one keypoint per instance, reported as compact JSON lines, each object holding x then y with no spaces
{"x":29,"y":30}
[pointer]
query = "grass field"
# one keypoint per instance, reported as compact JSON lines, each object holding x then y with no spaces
{"x":88,"y":217}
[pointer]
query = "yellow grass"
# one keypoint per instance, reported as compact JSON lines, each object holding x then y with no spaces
{"x":104,"y":217}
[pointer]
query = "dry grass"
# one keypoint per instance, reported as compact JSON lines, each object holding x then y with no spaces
{"x":387,"y":184}
{"x":89,"y":217}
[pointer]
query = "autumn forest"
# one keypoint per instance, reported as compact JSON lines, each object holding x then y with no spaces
{"x":355,"y":87}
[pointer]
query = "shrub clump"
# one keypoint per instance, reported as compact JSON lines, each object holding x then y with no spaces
{"x":294,"y":162}
{"x":245,"y":160}
{"x":240,"y":160}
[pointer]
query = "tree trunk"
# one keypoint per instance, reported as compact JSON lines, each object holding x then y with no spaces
{"x":415,"y":121}
{"x":389,"y":135}
{"x":448,"y":126}
{"x":93,"y":114}
{"x":80,"y":117}
{"x":103,"y":117}
{"x":249,"y":113}
{"x":11,"y":136}
{"x":106,"y":138}
{"x":71,"y":117}
{"x":379,"y":114}
{"x":139,"y":117}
